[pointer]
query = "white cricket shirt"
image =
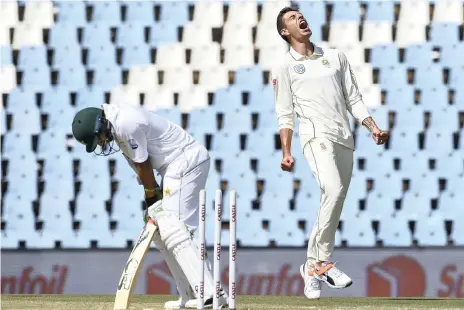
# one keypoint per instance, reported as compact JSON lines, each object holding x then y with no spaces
{"x":142,"y":134}
{"x":321,"y":89}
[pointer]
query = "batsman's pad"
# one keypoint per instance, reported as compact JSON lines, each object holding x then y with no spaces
{"x":183,"y":285}
{"x":178,"y":240}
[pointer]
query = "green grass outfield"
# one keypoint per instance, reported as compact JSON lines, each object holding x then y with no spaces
{"x":99,"y":302}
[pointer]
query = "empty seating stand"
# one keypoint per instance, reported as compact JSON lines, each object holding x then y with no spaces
{"x":205,"y":65}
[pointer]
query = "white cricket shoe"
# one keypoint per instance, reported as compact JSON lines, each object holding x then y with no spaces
{"x":334,"y":277}
{"x":192,"y":304}
{"x":312,"y":288}
{"x":175,"y":304}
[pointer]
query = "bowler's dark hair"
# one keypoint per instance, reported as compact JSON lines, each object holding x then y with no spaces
{"x":280,"y":20}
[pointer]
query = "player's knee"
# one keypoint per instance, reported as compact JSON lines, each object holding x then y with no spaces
{"x":335,"y":192}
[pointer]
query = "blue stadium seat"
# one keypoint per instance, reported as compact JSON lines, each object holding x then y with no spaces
{"x":238,"y":164}
{"x":55,"y":214}
{"x":394,"y":231}
{"x":162,"y":33}
{"x":202,"y":121}
{"x":346,"y":11}
{"x":50,"y":144}
{"x":457,"y":235}
{"x":126,"y":218}
{"x":459,"y":98}
{"x":18,"y":181}
{"x":90,"y":211}
{"x":140,"y":12}
{"x":314,"y":12}
{"x":106,"y":12}
{"x":400,"y":98}
{"x":20,"y":99}
{"x":96,"y":34}
{"x":433,"y":99}
{"x":393,"y":77}
{"x":36,"y":78}
{"x":72,"y":12}
{"x":430,"y":230}
{"x":130,"y":34}
{"x":419,"y":55}
{"x":60,"y":118}
{"x":73,"y":78}
{"x":428,"y":76}
{"x":261,"y":100}
{"x":6,"y":55}
{"x":56,"y":163}
{"x":440,"y":139}
{"x":277,"y":183}
{"x":444,"y":34}
{"x":175,"y":12}
{"x":54,"y":97}
{"x":27,"y":120}
{"x":248,"y":79}
{"x":383,"y":56}
{"x":379,"y":205}
{"x":360,"y":234}
{"x":451,"y":55}
{"x":135,"y":55}
{"x":172,"y":114}
{"x":23,"y":163}
{"x":381,"y":11}
{"x":260,"y":144}
{"x":101,"y":56}
{"x":63,"y":34}
{"x":226,"y":143}
{"x":107,"y":77}
{"x":16,"y":143}
{"x":67,"y":56}
{"x":457,"y":78}
{"x":402,"y":141}
{"x":238,"y":121}
{"x":227,"y":99}
{"x":89,"y":97}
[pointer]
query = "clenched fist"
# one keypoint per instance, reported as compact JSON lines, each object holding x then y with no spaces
{"x":379,"y":136}
{"x":287,"y":163}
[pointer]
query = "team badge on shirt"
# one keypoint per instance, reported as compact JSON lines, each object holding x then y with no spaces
{"x":325,"y":63}
{"x":300,"y":69}
{"x":133,"y":144}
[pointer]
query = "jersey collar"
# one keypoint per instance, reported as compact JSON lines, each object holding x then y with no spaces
{"x":297,"y":56}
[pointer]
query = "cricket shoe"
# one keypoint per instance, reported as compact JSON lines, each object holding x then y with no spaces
{"x":192,"y":304}
{"x":334,"y":277}
{"x":175,"y":304}
{"x":312,"y":288}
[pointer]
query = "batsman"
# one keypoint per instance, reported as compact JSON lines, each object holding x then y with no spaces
{"x":150,"y":142}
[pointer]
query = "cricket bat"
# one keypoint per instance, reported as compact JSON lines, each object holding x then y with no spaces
{"x":134,"y":263}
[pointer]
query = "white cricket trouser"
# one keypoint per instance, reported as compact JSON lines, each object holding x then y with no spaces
{"x":182,"y":183}
{"x":332,"y":166}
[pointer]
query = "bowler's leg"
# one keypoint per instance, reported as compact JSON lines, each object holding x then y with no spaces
{"x":332,"y":166}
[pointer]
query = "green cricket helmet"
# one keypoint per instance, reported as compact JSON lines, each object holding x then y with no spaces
{"x":86,"y":127}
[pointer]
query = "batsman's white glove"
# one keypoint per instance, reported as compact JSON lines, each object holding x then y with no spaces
{"x":153,"y":210}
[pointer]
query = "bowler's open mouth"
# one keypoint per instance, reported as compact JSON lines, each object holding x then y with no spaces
{"x":302,"y":24}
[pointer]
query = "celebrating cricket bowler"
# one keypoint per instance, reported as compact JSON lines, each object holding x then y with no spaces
{"x":319,"y":85}
{"x":150,"y":142}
